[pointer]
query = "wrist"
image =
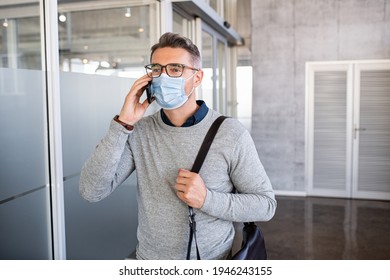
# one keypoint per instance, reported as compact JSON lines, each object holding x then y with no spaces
{"x":125,"y":125}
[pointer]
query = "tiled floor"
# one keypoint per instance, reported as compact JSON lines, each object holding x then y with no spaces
{"x":328,"y":229}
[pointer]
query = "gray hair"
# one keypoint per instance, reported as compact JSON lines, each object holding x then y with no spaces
{"x":173,"y":40}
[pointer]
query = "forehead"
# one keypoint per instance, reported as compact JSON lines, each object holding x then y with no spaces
{"x":164,"y":56}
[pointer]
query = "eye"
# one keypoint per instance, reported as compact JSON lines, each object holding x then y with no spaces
{"x":155,"y":68}
{"x":175,"y":68}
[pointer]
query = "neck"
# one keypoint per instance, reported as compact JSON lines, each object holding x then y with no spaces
{"x":179,"y":116}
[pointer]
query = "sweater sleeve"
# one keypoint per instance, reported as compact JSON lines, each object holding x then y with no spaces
{"x":109,"y":166}
{"x":255,"y":199}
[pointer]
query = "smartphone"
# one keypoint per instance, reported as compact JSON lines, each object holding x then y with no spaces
{"x":149,"y":92}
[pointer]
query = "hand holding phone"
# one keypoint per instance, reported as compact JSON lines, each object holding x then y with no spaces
{"x":149,"y":92}
{"x":133,"y":109}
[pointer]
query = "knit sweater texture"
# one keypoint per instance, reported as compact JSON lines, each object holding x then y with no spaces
{"x":156,"y":152}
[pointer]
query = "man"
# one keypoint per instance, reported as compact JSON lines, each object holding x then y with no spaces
{"x":162,"y":148}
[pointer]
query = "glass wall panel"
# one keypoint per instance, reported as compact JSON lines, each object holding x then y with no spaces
{"x":244,"y":96}
{"x":214,"y":4}
{"x":214,"y":59}
{"x":88,"y":103}
{"x":207,"y":65}
{"x":25,"y":231}
{"x":113,"y":45}
{"x":182,"y":25}
{"x":104,"y":41}
{"x":24,"y":180}
{"x":221,"y":77}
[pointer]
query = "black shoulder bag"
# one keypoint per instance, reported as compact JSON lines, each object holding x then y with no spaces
{"x":253,"y":244}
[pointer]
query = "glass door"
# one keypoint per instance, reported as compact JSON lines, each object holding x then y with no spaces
{"x":25,"y":208}
{"x":214,"y":58}
{"x":103,"y":50}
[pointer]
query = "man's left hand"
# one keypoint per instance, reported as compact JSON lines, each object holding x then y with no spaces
{"x":190,"y":188}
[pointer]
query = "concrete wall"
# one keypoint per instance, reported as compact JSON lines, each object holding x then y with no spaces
{"x":285,"y":35}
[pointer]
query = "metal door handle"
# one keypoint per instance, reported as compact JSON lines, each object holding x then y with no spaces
{"x":358,"y":129}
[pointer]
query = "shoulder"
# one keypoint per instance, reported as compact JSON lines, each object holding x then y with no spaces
{"x":231,"y":131}
{"x":233,"y":128}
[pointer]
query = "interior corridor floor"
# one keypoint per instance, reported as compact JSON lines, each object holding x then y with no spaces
{"x":306,"y":228}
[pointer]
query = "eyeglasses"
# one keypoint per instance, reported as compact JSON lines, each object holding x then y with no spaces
{"x":174,"y":70}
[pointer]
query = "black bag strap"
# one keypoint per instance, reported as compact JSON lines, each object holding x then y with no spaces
{"x":206,"y":144}
{"x":204,"y":148}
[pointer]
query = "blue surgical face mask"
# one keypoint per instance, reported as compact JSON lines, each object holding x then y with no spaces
{"x":169,"y":92}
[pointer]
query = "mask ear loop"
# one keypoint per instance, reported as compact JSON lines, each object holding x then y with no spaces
{"x":193,"y":88}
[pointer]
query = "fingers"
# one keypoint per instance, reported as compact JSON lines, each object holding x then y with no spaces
{"x":185,"y":180}
{"x":132,"y":110}
{"x":140,"y":85}
{"x":190,"y":188}
{"x":184,"y":176}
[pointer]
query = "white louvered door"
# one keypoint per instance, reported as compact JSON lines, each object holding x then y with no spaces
{"x":372,"y":131}
{"x":348,"y":129}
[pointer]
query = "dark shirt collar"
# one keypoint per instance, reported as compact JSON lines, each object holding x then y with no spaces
{"x":194,"y":119}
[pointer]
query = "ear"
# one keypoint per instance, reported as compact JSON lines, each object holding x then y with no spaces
{"x":198,"y":78}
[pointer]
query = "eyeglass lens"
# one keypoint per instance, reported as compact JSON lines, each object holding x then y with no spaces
{"x":172,"y":70}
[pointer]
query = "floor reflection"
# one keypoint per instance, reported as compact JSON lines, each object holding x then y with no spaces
{"x":328,"y":229}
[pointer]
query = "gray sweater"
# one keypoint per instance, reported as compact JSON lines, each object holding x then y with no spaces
{"x":157,"y":151}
